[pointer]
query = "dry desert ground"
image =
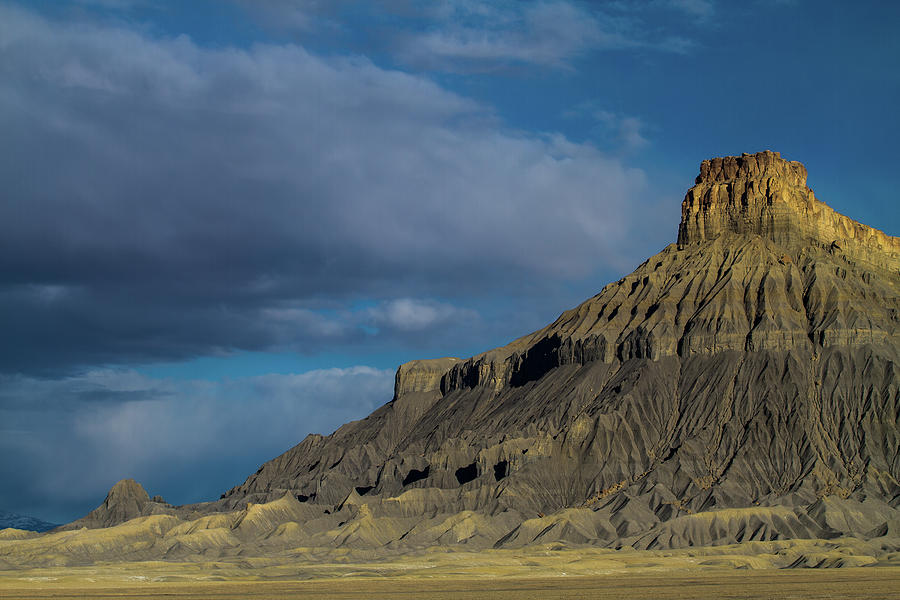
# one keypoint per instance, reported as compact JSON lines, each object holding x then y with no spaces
{"x":543,"y":573}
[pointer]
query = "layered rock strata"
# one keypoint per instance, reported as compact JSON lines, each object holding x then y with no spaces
{"x":763,"y":194}
{"x":742,"y":384}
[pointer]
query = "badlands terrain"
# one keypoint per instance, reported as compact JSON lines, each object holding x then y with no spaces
{"x":729,"y":408}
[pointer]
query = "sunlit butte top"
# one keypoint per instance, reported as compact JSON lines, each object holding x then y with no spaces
{"x":767,"y":195}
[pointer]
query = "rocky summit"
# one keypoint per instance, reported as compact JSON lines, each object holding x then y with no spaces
{"x":741,"y":385}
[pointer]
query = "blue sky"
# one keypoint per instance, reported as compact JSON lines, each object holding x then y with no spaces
{"x":226,"y":223}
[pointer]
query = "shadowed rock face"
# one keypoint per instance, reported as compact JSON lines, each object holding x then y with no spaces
{"x":126,"y":500}
{"x":742,"y":384}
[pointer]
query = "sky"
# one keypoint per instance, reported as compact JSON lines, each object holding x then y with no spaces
{"x":224,"y":224}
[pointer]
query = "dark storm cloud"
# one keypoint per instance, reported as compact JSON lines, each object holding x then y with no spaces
{"x":163,"y":199}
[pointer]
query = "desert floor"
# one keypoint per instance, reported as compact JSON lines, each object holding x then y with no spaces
{"x":882,"y":583}
{"x":531,"y":573}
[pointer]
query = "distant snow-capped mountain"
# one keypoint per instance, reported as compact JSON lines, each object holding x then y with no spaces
{"x":8,"y":519}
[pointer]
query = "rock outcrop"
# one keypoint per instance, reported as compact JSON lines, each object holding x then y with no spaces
{"x":421,"y":376}
{"x":763,"y":194}
{"x":743,"y":384}
{"x":752,"y":364}
{"x":126,"y":500}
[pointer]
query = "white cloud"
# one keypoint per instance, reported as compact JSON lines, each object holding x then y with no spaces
{"x":390,"y":318}
{"x":302,"y":322}
{"x":626,"y":132}
{"x":544,"y":33}
{"x":547,"y":33}
{"x":410,"y":314}
{"x":466,"y":34}
{"x":630,"y":133}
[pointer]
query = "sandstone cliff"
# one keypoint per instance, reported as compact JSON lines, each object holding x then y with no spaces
{"x":763,"y":194}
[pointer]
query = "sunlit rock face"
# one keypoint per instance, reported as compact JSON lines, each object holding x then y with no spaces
{"x":763,"y":194}
{"x":742,"y":384}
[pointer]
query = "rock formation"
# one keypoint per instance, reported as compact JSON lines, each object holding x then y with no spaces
{"x":763,"y":194}
{"x":743,"y":384}
{"x":752,"y":364}
{"x":125,"y":501}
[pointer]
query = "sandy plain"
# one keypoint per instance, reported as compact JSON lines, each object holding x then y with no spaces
{"x":734,"y":572}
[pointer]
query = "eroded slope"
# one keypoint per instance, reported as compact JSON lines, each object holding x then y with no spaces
{"x":752,"y":364}
{"x":741,"y":385}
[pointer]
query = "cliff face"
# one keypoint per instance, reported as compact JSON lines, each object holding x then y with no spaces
{"x":742,"y":384}
{"x":763,"y":194}
{"x":760,"y":264}
{"x":421,"y":376}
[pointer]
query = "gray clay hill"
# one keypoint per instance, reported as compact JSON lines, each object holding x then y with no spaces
{"x":743,"y":384}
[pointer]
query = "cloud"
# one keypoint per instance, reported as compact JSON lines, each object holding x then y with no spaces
{"x":300,"y":16}
{"x":487,"y":35}
{"x":623,"y":132}
{"x":472,"y":34}
{"x":186,"y":440}
{"x":628,"y":131}
{"x":167,"y":200}
{"x":701,"y":9}
{"x":543,"y":33}
{"x":410,"y":314}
